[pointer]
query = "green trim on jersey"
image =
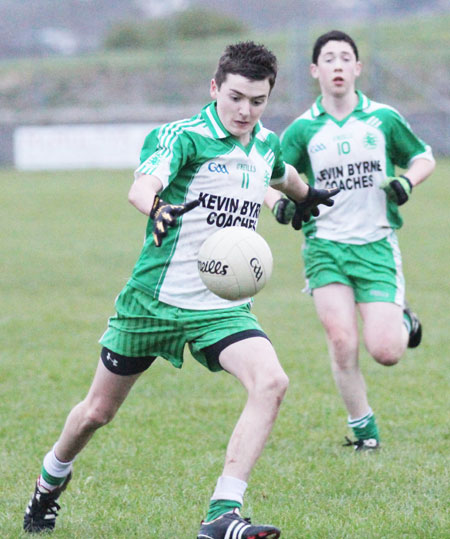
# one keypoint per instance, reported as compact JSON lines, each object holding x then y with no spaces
{"x":199,"y":159}
{"x":355,"y":154}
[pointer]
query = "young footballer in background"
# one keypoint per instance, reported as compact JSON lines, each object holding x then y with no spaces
{"x":351,"y":253}
{"x":196,"y":175}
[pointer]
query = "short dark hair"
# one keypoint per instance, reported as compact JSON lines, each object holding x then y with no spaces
{"x":248,"y":59}
{"x":334,"y":35}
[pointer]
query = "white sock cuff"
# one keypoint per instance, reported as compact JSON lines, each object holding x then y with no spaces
{"x":229,"y":488}
{"x":360,"y":421}
{"x":55,"y":467}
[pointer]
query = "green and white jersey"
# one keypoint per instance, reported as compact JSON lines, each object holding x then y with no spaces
{"x":199,"y":159}
{"x":354,"y":154}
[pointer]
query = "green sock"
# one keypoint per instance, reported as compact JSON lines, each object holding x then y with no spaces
{"x":219,"y":507}
{"x":365,"y":427}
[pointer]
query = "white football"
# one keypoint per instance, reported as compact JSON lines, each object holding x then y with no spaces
{"x":235,"y":263}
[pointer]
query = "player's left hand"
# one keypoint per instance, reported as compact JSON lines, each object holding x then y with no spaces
{"x":308,"y":207}
{"x":284,"y":210}
{"x":397,"y":189}
{"x":165,"y":215}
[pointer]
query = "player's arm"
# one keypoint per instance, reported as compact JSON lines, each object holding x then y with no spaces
{"x":144,"y":196}
{"x":143,"y":191}
{"x":305,"y":198}
{"x":399,"y":188}
{"x":294,"y":187}
{"x":419,"y":170}
{"x":282,"y":208}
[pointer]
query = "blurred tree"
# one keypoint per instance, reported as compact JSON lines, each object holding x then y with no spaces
{"x":192,"y":23}
{"x":198,"y":22}
{"x":125,"y":35}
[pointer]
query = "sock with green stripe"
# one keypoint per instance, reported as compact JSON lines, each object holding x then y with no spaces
{"x":53,"y":472}
{"x":218,"y":507}
{"x":365,"y":427}
{"x":407,"y":321}
{"x":228,"y":495}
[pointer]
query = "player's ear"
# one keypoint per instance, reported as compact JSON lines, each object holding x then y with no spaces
{"x":213,"y":89}
{"x":314,"y":71}
{"x":358,"y":68}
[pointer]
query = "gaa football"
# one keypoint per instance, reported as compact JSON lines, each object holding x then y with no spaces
{"x":235,"y":263}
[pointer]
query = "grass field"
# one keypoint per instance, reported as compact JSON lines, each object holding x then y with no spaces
{"x":68,"y":244}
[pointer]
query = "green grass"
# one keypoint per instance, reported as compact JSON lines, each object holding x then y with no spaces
{"x":68,"y":245}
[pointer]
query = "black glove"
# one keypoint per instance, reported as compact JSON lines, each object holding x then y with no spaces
{"x":308,"y":207}
{"x":397,"y":188}
{"x":165,"y":215}
{"x":284,"y":210}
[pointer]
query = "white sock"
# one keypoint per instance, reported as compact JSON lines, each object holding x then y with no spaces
{"x":44,"y":486}
{"x":407,"y":323}
{"x":229,"y":488}
{"x":360,"y":422}
{"x":54,"y":468}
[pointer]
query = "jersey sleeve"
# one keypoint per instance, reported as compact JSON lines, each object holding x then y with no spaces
{"x":165,"y":151}
{"x":294,"y":147}
{"x":279,"y":166}
{"x":404,"y":145}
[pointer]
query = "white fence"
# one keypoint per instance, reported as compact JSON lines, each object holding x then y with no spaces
{"x":79,"y":146}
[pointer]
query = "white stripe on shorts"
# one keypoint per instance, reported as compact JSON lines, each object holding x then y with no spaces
{"x":399,"y":278}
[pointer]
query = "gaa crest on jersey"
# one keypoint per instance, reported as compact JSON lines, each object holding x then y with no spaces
{"x":218,"y":168}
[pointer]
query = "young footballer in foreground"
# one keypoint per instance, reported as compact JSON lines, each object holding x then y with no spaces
{"x":195,"y":176}
{"x":351,"y":253}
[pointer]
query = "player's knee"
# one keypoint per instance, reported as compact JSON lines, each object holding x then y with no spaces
{"x":385,"y":351}
{"x":98,"y":415}
{"x":278,"y":385}
{"x":386,"y":356}
{"x":272,"y":386}
{"x":282,"y":384}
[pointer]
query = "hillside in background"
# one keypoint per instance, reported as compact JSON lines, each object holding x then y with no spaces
{"x":406,"y":64}
{"x":403,"y":52}
{"x":46,"y":27}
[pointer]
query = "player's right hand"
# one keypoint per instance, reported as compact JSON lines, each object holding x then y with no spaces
{"x":397,"y":189}
{"x":165,"y":215}
{"x":308,"y":207}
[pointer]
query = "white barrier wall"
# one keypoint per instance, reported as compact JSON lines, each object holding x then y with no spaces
{"x":79,"y":146}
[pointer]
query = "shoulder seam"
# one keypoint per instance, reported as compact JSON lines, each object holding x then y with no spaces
{"x":169,"y":132}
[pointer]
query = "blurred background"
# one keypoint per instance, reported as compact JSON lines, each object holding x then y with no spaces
{"x":83,"y":81}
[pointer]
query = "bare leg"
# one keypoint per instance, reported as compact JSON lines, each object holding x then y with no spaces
{"x":255,"y":364}
{"x":385,"y":335}
{"x":106,"y":394}
{"x":335,"y":305}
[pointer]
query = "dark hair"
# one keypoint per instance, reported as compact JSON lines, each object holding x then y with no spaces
{"x":252,"y":61}
{"x":334,"y":35}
